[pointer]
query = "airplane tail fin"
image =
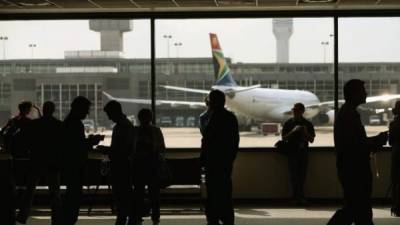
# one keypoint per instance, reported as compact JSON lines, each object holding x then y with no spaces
{"x":223,"y":74}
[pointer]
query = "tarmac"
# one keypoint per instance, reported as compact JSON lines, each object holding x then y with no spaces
{"x":185,"y":137}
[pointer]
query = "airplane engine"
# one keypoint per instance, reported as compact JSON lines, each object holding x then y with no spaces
{"x":325,"y":118}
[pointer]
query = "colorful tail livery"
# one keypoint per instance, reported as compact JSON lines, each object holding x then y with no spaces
{"x":223,"y":75}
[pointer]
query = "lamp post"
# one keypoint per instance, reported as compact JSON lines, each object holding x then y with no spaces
{"x":324,"y":44}
{"x":32,"y":46}
{"x":177,"y":45}
{"x":167,"y":37}
{"x":4,"y":39}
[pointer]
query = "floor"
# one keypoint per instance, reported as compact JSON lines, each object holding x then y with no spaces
{"x":244,"y":216}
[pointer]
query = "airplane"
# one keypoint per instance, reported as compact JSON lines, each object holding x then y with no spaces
{"x":254,"y":102}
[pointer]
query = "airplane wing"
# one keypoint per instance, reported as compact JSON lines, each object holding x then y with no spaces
{"x":226,"y":89}
{"x":158,"y":102}
{"x":193,"y":90}
{"x":369,"y":100}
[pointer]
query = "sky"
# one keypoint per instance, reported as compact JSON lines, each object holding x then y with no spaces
{"x":243,"y":40}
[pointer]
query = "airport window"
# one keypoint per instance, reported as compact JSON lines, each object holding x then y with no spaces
{"x":247,"y":53}
{"x":377,"y":53}
{"x":89,"y":65}
{"x":185,"y":61}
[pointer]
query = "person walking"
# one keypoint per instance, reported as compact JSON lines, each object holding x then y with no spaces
{"x":353,"y":149}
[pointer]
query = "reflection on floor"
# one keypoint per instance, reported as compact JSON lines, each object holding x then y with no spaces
{"x":244,"y":216}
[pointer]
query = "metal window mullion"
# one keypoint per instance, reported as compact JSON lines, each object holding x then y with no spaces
{"x":336,"y":63}
{"x":60,"y":100}
{"x":153,"y":68}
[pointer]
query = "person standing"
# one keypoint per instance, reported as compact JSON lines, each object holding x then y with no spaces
{"x":46,"y":135}
{"x":120,"y":151}
{"x":15,"y":144}
{"x":75,"y":155}
{"x":15,"y":132}
{"x":394,"y":141}
{"x":147,"y":159}
{"x":220,"y":144}
{"x":298,"y":132}
{"x":353,"y":149}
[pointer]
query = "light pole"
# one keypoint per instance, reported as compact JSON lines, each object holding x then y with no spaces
{"x":4,"y":39}
{"x":32,"y":46}
{"x":168,"y":37}
{"x":324,"y":44}
{"x":177,"y":45}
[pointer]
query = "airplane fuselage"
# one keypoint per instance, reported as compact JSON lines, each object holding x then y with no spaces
{"x":265,"y":104}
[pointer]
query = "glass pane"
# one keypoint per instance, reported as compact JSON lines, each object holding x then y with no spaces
{"x":67,"y":58}
{"x":370,"y":51}
{"x":300,"y":70}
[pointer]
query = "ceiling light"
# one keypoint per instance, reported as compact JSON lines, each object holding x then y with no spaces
{"x":318,"y":1}
{"x":34,"y":4}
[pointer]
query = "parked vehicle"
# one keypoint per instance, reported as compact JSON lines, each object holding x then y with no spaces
{"x":375,"y":120}
{"x":179,"y":121}
{"x":191,"y":121}
{"x":166,"y":121}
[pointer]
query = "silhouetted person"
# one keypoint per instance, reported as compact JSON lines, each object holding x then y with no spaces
{"x":120,"y":151}
{"x":204,"y":116}
{"x":394,"y":141}
{"x":353,"y":149}
{"x":15,"y":132}
{"x":75,"y":155}
{"x":298,"y":132}
{"x":147,"y":158}
{"x":220,"y":144}
{"x":45,"y":135}
{"x":16,"y":146}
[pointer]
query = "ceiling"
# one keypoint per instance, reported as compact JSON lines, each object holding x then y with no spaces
{"x":32,"y":6}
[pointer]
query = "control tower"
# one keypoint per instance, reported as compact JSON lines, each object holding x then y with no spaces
{"x":111,"y":33}
{"x":283,"y":29}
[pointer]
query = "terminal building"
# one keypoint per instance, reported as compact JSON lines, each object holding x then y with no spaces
{"x":60,"y":80}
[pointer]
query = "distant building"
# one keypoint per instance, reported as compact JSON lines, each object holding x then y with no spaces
{"x":60,"y":80}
